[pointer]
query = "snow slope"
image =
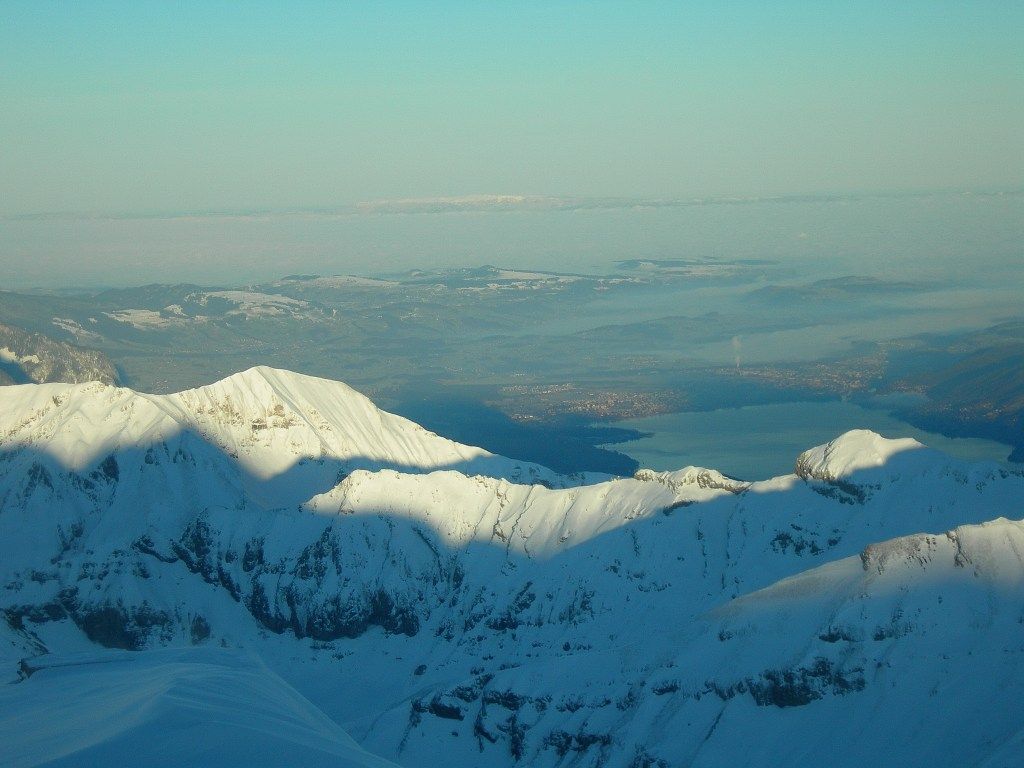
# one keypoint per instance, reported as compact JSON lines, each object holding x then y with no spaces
{"x":910,"y":654}
{"x":451,"y":607}
{"x":269,"y":421}
{"x":175,"y":707}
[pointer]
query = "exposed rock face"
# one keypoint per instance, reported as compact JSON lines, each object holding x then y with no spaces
{"x":453,"y":607}
{"x":34,"y":358}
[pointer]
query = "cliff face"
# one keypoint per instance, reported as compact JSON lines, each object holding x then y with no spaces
{"x":452,"y":607}
{"x":32,"y":357}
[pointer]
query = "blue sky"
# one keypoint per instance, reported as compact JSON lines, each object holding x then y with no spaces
{"x":136,"y":107}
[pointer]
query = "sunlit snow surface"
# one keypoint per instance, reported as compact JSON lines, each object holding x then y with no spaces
{"x":287,"y":564}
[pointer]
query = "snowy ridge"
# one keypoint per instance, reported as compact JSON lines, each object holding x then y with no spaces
{"x":268,"y":420}
{"x":451,"y":607}
{"x":170,"y":707}
{"x":860,"y":454}
{"x":841,"y":665}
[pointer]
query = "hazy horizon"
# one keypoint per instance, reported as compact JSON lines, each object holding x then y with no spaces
{"x":868,"y":233}
{"x":215,"y":144}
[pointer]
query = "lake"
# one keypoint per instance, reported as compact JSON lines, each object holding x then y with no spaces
{"x":760,"y":441}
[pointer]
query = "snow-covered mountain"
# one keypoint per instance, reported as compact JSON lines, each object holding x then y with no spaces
{"x":446,"y":606}
{"x":167,"y":708}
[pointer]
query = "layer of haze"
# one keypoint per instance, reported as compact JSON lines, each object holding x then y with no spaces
{"x":906,"y":237}
{"x":152,"y":108}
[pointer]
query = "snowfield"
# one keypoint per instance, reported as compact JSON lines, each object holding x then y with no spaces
{"x":273,"y":553}
{"x":169,"y":708}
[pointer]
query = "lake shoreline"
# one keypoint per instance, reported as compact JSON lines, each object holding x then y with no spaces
{"x":763,"y":440}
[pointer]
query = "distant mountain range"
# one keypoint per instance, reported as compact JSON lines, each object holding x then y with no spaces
{"x":271,"y":565}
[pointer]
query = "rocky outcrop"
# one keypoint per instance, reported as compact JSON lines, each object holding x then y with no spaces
{"x":27,"y":357}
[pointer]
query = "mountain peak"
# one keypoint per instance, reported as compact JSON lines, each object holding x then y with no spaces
{"x":266,"y":420}
{"x":855,"y":452}
{"x":260,"y":378}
